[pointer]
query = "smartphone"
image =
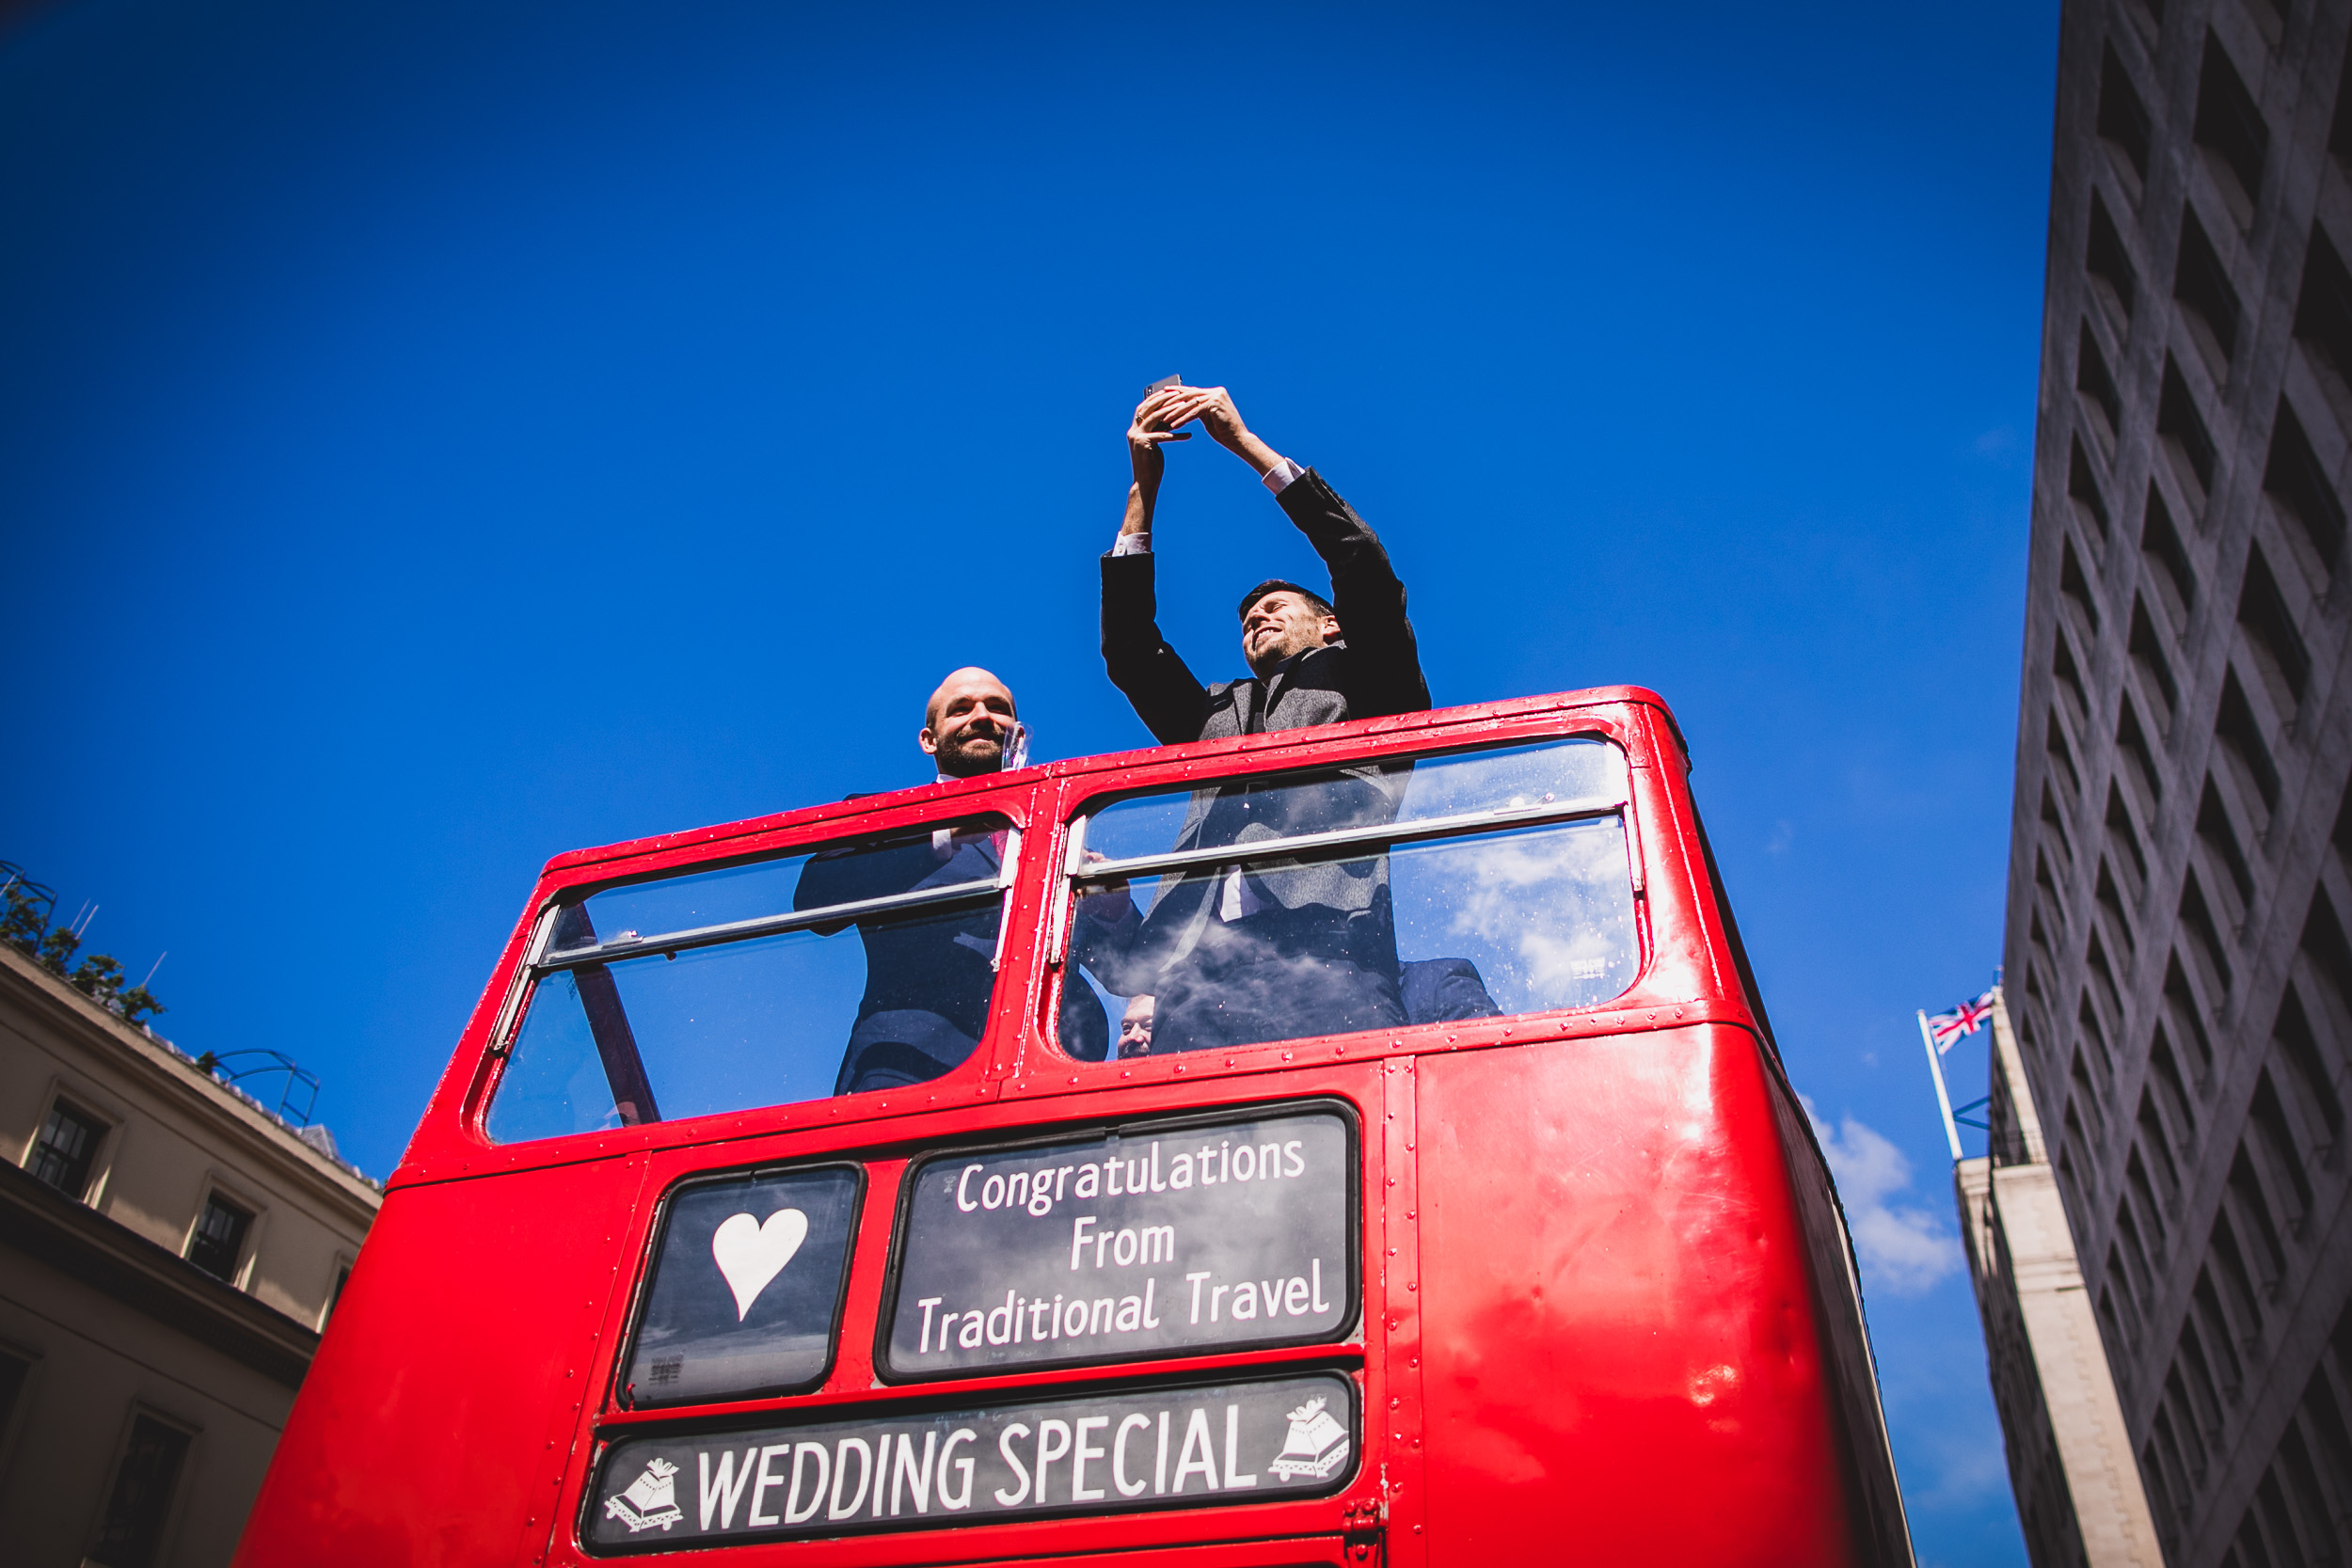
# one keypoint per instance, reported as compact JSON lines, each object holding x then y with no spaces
{"x":1163,"y":384}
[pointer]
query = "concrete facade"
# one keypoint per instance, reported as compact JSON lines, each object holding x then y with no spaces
{"x":141,"y":1394}
{"x":2079,"y":1497}
{"x":2180,"y":863}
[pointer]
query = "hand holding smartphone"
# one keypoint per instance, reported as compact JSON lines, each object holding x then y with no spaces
{"x":1162,"y":385}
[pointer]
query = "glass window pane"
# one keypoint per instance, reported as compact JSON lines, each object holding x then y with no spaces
{"x":1471,"y":926}
{"x":1515,"y":923}
{"x":140,"y":1499}
{"x":648,"y":910}
{"x":744,"y":1290}
{"x":1283,"y":805}
{"x":219,"y":1238}
{"x":836,"y":1008}
{"x":65,"y":1149}
{"x":14,"y":1369}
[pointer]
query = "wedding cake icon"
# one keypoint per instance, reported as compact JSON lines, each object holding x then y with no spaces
{"x":651,"y":1499}
{"x":1316,"y":1445}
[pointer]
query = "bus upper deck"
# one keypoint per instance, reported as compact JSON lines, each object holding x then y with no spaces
{"x":1326,"y":1143}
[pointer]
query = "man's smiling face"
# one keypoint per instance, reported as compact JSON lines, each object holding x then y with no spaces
{"x":1282,"y":624}
{"x":967,"y":723}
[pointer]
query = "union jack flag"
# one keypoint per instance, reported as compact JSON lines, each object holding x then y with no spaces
{"x":1946,"y":1029}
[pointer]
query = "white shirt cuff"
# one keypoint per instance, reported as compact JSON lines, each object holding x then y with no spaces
{"x":1279,"y":478}
{"x":1134,"y":543}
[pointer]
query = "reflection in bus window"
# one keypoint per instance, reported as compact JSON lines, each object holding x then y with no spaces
{"x":1461,"y":886}
{"x":865,"y":967}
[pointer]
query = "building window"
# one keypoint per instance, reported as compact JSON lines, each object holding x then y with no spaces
{"x":2297,"y":479}
{"x":14,"y":1372}
{"x":2123,"y":118}
{"x":67,"y":1148}
{"x":2179,"y":423}
{"x":2106,"y":260}
{"x":2230,"y":123}
{"x":2202,"y":282}
{"x":132,"y":1533}
{"x":219,"y":1238}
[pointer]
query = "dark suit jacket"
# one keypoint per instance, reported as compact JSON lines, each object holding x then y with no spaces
{"x":929,"y":976}
{"x":1374,"y":670}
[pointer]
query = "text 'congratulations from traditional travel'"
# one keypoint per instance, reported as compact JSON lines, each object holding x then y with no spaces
{"x":1137,"y":1243}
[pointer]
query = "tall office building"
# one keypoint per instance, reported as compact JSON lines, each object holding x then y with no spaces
{"x":2181,"y":865}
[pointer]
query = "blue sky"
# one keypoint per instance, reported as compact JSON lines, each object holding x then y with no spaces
{"x":433,"y":437}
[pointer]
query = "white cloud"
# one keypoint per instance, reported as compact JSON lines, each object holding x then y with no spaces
{"x":1905,"y":1250}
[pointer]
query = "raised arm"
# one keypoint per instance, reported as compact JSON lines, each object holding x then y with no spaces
{"x":1145,"y":432}
{"x":1366,"y":594}
{"x":1167,"y":696}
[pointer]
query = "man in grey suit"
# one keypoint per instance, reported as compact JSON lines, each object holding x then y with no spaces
{"x":1278,"y":950}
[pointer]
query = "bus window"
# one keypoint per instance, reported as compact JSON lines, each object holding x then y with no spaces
{"x":1469,"y":884}
{"x":748,"y":1325}
{"x":858,"y":967}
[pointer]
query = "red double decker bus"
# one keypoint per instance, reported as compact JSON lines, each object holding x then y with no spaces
{"x":1342,"y":1145}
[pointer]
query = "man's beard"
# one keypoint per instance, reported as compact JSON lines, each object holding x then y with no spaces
{"x":1277,"y":651}
{"x":969,"y":758}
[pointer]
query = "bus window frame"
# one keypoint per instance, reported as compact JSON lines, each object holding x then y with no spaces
{"x":821,"y":828}
{"x":1677,"y":981}
{"x":1350,"y":1333}
{"x":1078,"y":802}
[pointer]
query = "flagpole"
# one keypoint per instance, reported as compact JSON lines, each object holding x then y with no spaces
{"x":1942,"y":1096}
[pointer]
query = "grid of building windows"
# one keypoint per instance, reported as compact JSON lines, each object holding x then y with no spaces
{"x":2181,"y":873}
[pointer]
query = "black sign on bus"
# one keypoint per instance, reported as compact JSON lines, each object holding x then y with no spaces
{"x":1146,"y":1240}
{"x":1120,"y":1450}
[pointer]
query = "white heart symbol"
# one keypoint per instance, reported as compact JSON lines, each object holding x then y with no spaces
{"x":750,"y":1254}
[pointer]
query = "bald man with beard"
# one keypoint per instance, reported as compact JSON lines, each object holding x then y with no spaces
{"x":929,"y":976}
